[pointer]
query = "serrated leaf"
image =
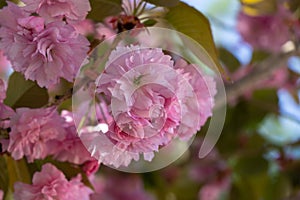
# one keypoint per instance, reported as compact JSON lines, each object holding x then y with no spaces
{"x":194,"y":24}
{"x":104,"y":8}
{"x":24,"y":93}
{"x":164,"y":3}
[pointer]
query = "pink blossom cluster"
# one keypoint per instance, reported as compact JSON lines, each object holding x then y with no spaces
{"x":38,"y":133}
{"x":33,"y":131}
{"x":268,"y":32}
{"x":44,"y":48}
{"x":50,"y":183}
{"x":56,"y":10}
{"x":41,"y":132}
{"x":132,"y":187}
{"x":152,"y":101}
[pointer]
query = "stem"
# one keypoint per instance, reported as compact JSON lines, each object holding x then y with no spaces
{"x":261,"y":72}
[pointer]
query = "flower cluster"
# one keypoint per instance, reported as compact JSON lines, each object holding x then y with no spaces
{"x":268,"y":32}
{"x":43,"y":50}
{"x":33,"y":131}
{"x":55,"y":10}
{"x":105,"y":187}
{"x":152,"y":101}
{"x":51,"y":183}
{"x":144,"y":100}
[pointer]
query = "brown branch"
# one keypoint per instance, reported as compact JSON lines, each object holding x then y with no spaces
{"x":261,"y":72}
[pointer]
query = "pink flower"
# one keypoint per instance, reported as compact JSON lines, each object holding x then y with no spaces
{"x":2,"y":90}
{"x":151,"y":103}
{"x":5,"y":114}
{"x":215,"y":190}
{"x":104,"y":31}
{"x":268,"y":32}
{"x":44,"y":53}
{"x":1,"y":195}
{"x":204,"y":88}
{"x":32,"y":131}
{"x":4,"y":65}
{"x":279,"y":78}
{"x":5,"y":111}
{"x":71,"y":149}
{"x":132,"y":188}
{"x":51,"y":184}
{"x":85,"y":27}
{"x":53,"y":10}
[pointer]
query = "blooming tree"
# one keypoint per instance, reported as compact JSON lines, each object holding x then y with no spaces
{"x":135,"y":85}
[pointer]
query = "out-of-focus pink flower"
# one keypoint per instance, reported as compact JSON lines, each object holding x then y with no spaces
{"x":85,"y":27}
{"x":71,"y":148}
{"x":1,"y":195}
{"x":208,"y":169}
{"x":53,"y":10}
{"x":33,"y":131}
{"x":151,"y":103}
{"x":214,"y":190}
{"x":279,"y":78}
{"x":44,"y":53}
{"x":268,"y":32}
{"x":104,"y":31}
{"x":132,"y":188}
{"x":51,"y":184}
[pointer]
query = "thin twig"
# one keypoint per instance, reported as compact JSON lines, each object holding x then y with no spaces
{"x":261,"y":72}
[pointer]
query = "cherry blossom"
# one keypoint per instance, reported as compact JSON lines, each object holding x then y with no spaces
{"x":151,"y":102}
{"x":33,"y":131}
{"x":50,"y":183}
{"x":266,"y":32}
{"x":42,"y":52}
{"x":53,"y":10}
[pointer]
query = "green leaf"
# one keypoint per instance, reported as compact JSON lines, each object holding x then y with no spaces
{"x":194,"y":24}
{"x":250,"y":165}
{"x":104,"y":8}
{"x":17,"y":171}
{"x":2,"y":4}
{"x":295,"y":7}
{"x":229,"y":60}
{"x":24,"y":93}
{"x":277,"y":188}
{"x":259,"y":56}
{"x":150,"y":22}
{"x":3,"y":175}
{"x":164,"y":3}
